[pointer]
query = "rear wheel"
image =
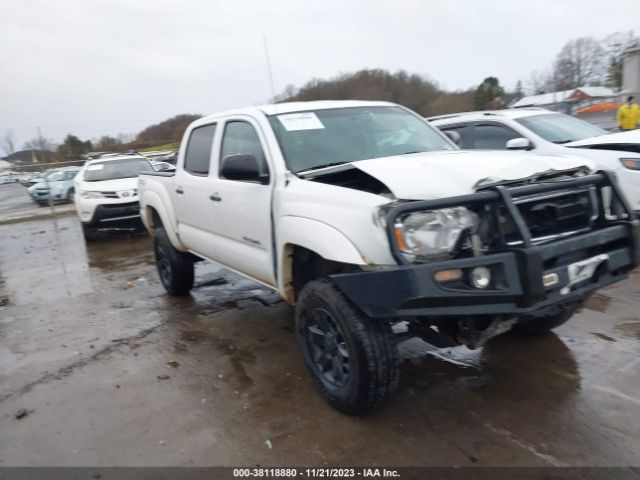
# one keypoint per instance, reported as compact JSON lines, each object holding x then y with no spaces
{"x":71,"y":195}
{"x":539,"y":325}
{"x":175,"y":268}
{"x":351,"y":357}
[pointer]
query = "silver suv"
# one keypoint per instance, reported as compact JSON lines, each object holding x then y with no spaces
{"x":58,"y":183}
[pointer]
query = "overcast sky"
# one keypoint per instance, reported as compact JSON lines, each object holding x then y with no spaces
{"x":103,"y":67}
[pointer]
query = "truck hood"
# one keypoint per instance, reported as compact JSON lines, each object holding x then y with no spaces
{"x":426,"y":176}
{"x":116,"y":185}
{"x":631,"y":137}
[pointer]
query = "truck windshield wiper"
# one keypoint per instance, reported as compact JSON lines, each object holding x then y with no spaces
{"x":560,"y":142}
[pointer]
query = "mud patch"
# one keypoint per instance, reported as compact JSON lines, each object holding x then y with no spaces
{"x":598,"y":302}
{"x":604,"y":337}
{"x":212,"y":283}
{"x":629,"y":329}
{"x":195,"y":336}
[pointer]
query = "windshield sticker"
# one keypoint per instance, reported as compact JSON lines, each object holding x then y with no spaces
{"x":300,"y":121}
{"x":99,"y":166}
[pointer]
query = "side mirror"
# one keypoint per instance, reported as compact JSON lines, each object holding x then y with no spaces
{"x":453,"y":136}
{"x":163,"y":167}
{"x":519,"y":143}
{"x":244,"y":168}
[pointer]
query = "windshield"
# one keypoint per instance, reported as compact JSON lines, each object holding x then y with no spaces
{"x":559,"y":128}
{"x":54,"y":176}
{"x":113,"y":169}
{"x":320,"y":138}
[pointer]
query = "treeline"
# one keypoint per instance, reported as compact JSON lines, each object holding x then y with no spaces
{"x":585,"y":61}
{"x":414,"y":91}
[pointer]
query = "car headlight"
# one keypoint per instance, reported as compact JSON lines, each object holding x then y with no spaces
{"x":89,"y":194}
{"x":630,"y":163}
{"x":431,"y":235}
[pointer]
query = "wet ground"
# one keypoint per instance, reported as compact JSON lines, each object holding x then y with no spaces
{"x":16,"y":205}
{"x":108,"y":370}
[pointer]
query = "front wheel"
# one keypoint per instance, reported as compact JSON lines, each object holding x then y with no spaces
{"x":351,"y":357}
{"x":174,"y":267}
{"x":71,"y":195}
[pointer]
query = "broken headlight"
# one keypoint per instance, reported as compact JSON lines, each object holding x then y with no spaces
{"x":431,"y":235}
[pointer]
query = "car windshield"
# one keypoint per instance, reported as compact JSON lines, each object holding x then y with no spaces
{"x":113,"y":169}
{"x":54,"y":176}
{"x":319,"y":138}
{"x":560,"y":128}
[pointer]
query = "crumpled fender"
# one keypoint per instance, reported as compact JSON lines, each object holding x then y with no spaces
{"x":323,"y":239}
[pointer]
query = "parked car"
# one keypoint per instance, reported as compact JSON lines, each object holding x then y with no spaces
{"x":30,"y":179}
{"x":162,"y":166}
{"x":107,"y":197}
{"x":377,"y":228}
{"x":543,"y":131}
{"x":58,"y":183}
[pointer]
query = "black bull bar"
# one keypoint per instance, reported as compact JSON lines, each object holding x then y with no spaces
{"x":410,"y":289}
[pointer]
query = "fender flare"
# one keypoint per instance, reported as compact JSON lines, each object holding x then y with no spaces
{"x":320,"y":238}
{"x":152,"y":200}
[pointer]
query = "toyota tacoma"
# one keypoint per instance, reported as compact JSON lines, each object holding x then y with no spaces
{"x":377,"y":228}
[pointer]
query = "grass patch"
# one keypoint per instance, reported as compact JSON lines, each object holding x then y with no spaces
{"x":166,"y":146}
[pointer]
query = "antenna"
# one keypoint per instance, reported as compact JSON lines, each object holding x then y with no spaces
{"x":266,"y":54}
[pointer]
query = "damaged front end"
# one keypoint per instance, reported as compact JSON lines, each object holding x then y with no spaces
{"x":471,"y":265}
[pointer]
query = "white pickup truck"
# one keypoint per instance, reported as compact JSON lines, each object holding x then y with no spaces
{"x":378,"y":228}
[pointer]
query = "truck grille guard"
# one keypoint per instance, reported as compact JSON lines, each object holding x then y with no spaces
{"x":508,"y":201}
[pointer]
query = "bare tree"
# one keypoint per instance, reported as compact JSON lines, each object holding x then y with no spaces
{"x":579,"y":63}
{"x":41,"y":146}
{"x":539,"y":82}
{"x":8,"y":143}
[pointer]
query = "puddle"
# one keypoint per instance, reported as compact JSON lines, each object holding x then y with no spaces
{"x":193,"y":335}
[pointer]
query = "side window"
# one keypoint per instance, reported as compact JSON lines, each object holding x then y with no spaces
{"x":492,"y":137}
{"x":463,"y":131}
{"x":240,"y":138}
{"x":198,"y":155}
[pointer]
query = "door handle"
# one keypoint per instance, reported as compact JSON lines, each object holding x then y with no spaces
{"x":215,"y":198}
{"x":179,"y":191}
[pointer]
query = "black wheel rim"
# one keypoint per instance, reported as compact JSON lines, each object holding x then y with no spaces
{"x":164,"y":265}
{"x":328,"y":348}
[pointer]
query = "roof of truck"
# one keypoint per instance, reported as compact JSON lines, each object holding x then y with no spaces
{"x":292,"y":107}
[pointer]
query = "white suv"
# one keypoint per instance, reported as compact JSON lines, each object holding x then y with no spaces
{"x":107,"y":193}
{"x":543,"y":131}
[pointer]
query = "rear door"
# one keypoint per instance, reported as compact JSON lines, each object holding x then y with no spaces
{"x":242,"y":226}
{"x":193,"y":187}
{"x":491,"y":136}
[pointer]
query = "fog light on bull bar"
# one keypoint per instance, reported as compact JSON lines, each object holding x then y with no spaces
{"x":449,"y":275}
{"x":480,"y":277}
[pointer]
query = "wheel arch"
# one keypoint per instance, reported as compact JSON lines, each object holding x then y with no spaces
{"x":155,"y":215}
{"x":312,"y":250}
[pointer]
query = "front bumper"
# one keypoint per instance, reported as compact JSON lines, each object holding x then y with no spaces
{"x":518,"y":272}
{"x":115,"y":216}
{"x":411,"y":290}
